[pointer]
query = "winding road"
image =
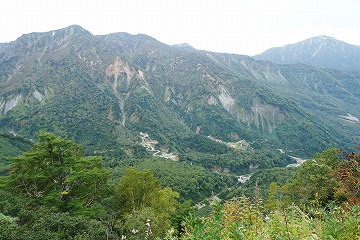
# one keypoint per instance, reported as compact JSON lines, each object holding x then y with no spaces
{"x":148,"y":144}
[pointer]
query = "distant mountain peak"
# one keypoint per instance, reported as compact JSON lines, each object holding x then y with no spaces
{"x":76,"y":27}
{"x":74,"y":30}
{"x":320,"y":51}
{"x":321,"y":39}
{"x":70,"y":31}
{"x":316,"y":44}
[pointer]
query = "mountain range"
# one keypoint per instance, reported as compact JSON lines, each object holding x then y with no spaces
{"x":130,"y":95}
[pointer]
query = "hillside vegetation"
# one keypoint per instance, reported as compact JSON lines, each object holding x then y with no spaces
{"x":11,"y":146}
{"x":54,"y":191}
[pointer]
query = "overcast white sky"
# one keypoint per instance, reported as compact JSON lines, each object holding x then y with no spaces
{"x":234,"y":26}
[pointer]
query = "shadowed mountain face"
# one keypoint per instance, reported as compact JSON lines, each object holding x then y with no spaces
{"x":104,"y":90}
{"x":322,"y":51}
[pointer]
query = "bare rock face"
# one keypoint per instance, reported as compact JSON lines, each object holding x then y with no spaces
{"x":226,"y":100}
{"x":265,"y":117}
{"x":116,"y":69}
{"x":8,"y":104}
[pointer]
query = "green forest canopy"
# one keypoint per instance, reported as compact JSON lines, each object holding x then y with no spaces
{"x":54,"y":191}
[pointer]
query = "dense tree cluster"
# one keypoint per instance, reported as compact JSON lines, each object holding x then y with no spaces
{"x":54,"y":191}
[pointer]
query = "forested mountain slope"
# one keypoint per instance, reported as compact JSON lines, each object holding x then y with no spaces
{"x":104,"y":90}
